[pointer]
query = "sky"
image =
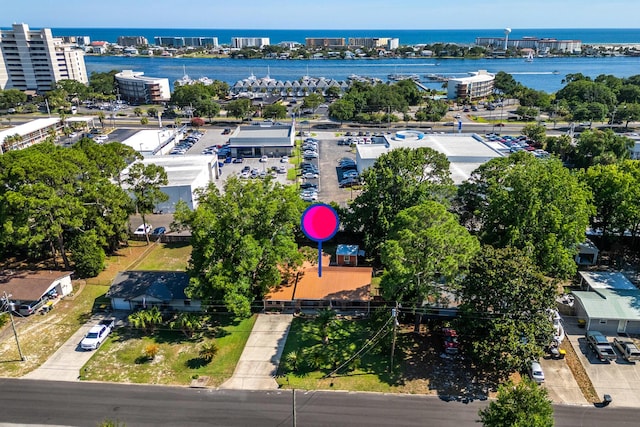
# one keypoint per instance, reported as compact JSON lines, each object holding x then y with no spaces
{"x":322,"y":14}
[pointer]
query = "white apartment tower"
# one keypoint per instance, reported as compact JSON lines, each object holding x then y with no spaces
{"x":33,"y":60}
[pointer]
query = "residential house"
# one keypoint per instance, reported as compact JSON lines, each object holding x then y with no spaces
{"x":134,"y":290}
{"x":31,"y":286}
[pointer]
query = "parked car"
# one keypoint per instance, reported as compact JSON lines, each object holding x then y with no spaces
{"x":310,"y":175}
{"x":306,"y":185}
{"x":282,"y":169}
{"x":226,"y":131}
{"x":28,"y":309}
{"x":310,"y":155}
{"x":450,"y":340}
{"x":600,"y":346}
{"x":627,"y":348}
{"x":143,"y":229}
{"x":97,"y":334}
{"x":350,"y":174}
{"x":238,"y":160}
{"x":535,"y":372}
{"x":264,"y":159}
{"x":158,"y":231}
{"x":284,"y":159}
{"x":349,"y":182}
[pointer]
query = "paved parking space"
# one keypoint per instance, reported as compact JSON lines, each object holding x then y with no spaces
{"x":330,"y":153}
{"x":620,"y":379}
{"x":560,"y":383}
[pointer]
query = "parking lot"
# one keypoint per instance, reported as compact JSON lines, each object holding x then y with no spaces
{"x":620,"y":379}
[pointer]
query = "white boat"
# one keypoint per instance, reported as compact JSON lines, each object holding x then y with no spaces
{"x":529,"y":57}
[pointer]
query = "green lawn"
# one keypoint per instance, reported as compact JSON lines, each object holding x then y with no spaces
{"x":370,"y":372}
{"x":120,"y":358}
{"x":167,"y":256}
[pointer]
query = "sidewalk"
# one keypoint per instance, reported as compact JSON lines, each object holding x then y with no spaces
{"x":259,"y":361}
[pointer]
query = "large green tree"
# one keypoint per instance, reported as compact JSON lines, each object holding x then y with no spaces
{"x":519,"y":405}
{"x":505,"y":311}
{"x":533,"y":204}
{"x":601,"y":147}
{"x":616,"y":196}
{"x":426,"y":245}
{"x":145,"y":182}
{"x":398,"y":180}
{"x":238,"y":108}
{"x":50,"y":196}
{"x":243,"y":241}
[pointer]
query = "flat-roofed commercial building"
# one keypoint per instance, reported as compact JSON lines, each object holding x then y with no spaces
{"x":30,"y":133}
{"x":465,"y":152}
{"x":185,"y":174}
{"x":33,"y":60}
{"x":265,"y":139}
{"x":477,"y":86}
{"x":331,"y":42}
{"x":134,"y":87}
{"x":242,"y":42}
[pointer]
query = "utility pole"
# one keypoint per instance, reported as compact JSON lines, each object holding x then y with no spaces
{"x":394,"y":314}
{"x":294,"y":408}
{"x":13,"y":325}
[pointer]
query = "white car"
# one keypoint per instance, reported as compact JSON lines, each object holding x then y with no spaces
{"x":535,"y":372}
{"x":143,"y":229}
{"x":310,"y":175}
{"x":284,"y":159}
{"x":263,"y":159}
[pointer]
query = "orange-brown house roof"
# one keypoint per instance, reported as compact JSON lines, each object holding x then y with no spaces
{"x":29,"y":285}
{"x":336,"y":283}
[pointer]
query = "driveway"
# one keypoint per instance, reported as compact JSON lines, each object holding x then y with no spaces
{"x":560,"y":383}
{"x":259,"y":361}
{"x":66,"y":362}
{"x":620,"y":379}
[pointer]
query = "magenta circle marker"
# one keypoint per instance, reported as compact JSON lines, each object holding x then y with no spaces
{"x":319,"y":223}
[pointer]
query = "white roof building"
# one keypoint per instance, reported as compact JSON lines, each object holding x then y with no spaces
{"x":186,"y":174}
{"x":31,"y":132}
{"x":134,"y":86}
{"x":466,"y":152}
{"x":151,"y":142}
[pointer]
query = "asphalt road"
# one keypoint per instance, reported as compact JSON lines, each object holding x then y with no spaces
{"x":84,"y":404}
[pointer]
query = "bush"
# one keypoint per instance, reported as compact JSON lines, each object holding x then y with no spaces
{"x":151,"y":351}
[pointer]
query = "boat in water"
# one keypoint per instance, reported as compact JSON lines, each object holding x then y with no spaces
{"x":399,"y":77}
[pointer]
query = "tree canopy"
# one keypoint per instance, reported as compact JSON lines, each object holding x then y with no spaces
{"x":505,"y":310}
{"x":398,"y":180}
{"x":522,"y":405}
{"x":54,"y":201}
{"x":601,"y":147}
{"x":243,"y":241}
{"x":533,"y":204}
{"x":426,"y":245}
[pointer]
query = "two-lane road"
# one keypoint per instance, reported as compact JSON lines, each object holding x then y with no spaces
{"x":82,"y":404}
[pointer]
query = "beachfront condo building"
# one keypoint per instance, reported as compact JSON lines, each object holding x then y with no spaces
{"x":34,"y":61}
{"x":321,"y":42}
{"x":374,"y":42}
{"x":478,"y":85}
{"x":179,"y":42}
{"x":136,"y":88}
{"x":242,"y":42}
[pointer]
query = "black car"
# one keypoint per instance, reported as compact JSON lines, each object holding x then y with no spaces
{"x":307,"y":185}
{"x":349,"y":182}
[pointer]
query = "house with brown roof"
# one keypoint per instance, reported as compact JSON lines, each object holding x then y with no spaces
{"x":341,"y":288}
{"x":28,"y":286}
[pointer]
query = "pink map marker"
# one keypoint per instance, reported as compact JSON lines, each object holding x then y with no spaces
{"x":320,"y":223}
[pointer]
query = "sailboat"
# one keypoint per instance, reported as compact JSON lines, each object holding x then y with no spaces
{"x":530,"y":57}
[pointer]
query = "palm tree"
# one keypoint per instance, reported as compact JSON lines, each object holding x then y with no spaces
{"x":137,"y":111}
{"x":146,"y":319}
{"x":188,"y":323}
{"x":208,"y":350}
{"x":324,"y":320}
{"x":101,"y":118}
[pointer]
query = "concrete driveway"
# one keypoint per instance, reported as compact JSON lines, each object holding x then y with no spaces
{"x":259,"y":361}
{"x":620,"y":379}
{"x":560,"y":383}
{"x":66,"y":362}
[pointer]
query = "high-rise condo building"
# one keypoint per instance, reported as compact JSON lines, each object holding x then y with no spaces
{"x":33,"y":60}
